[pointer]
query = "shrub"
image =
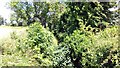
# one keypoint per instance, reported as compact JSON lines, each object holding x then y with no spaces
{"x":42,"y":42}
{"x":82,"y":49}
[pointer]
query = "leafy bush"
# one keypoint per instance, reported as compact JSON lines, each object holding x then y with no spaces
{"x":111,"y":39}
{"x":83,"y":49}
{"x":42,"y":42}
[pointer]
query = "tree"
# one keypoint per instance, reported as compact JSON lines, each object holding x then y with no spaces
{"x":82,"y":13}
{"x":21,"y":12}
{"x":1,"y":20}
{"x":30,"y":12}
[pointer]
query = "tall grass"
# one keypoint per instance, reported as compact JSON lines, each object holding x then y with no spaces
{"x":10,"y":55}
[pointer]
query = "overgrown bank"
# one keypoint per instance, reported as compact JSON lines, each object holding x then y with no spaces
{"x":78,"y":34}
{"x":80,"y":49}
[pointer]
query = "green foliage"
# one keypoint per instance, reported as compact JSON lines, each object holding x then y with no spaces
{"x":77,"y":14}
{"x":87,"y":13}
{"x":82,"y":49}
{"x":72,"y":23}
{"x":111,"y":36}
{"x":44,"y":12}
{"x":42,"y":42}
{"x":10,"y":54}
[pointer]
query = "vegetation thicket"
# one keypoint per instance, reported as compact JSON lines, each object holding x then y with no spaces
{"x":77,"y":34}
